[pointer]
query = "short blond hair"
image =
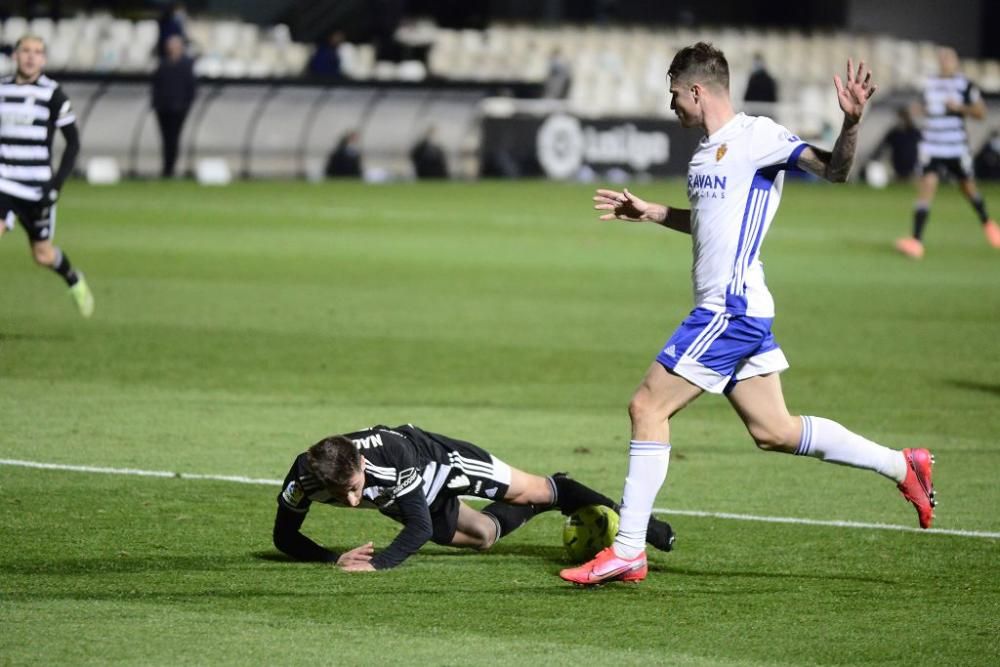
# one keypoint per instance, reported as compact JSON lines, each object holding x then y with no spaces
{"x":29,"y":38}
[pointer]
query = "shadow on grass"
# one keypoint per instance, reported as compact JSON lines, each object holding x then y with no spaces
{"x":124,"y":564}
{"x":982,"y":387}
{"x":33,"y":337}
{"x":742,"y":574}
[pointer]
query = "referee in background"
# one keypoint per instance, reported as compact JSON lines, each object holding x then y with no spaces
{"x":32,"y":107}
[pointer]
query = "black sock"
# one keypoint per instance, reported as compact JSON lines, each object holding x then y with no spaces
{"x":510,"y":517}
{"x":980,"y":206}
{"x":64,"y":268}
{"x":571,"y":495}
{"x":919,"y":221}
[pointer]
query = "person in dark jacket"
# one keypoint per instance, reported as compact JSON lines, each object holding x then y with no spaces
{"x":173,"y":93}
{"x":761,"y":87}
{"x":428,"y":157}
{"x":346,"y":157}
{"x":902,"y":141}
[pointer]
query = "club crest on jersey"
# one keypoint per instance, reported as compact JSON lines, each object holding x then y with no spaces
{"x":720,"y":152}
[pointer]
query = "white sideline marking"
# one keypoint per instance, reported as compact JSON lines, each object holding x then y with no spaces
{"x":139,"y":473}
{"x":712,"y":515}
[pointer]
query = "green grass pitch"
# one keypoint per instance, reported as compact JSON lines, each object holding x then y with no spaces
{"x":236,"y":326}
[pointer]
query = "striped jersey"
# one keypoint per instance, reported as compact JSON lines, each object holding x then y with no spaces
{"x":29,"y":115}
{"x":734,"y":186}
{"x":402,"y":462}
{"x":409,"y":474}
{"x":943,"y":134}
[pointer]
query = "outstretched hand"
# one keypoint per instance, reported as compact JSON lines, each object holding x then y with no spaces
{"x":622,"y":206}
{"x":854,"y":92}
{"x":357,"y":559}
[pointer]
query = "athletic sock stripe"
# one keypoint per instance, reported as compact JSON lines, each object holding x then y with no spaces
{"x":805,"y":442}
{"x":648,"y":448}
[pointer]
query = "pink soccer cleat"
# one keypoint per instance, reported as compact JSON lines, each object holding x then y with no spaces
{"x":992,"y":231}
{"x":911,"y":247}
{"x":917,"y":487}
{"x":607,"y":566}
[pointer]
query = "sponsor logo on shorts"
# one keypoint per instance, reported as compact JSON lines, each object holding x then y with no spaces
{"x":459,"y":482}
{"x":670,"y":351}
{"x":490,"y":492}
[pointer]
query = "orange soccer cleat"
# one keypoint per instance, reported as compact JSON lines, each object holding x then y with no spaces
{"x":607,"y":566}
{"x":917,"y":487}
{"x":910,"y":247}
{"x":992,"y":231}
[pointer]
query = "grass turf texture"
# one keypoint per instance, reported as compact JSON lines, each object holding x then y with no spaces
{"x":236,"y":326}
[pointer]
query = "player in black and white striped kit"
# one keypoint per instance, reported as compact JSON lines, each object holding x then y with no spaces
{"x":949,"y":99}
{"x":416,"y":477}
{"x":32,"y":108}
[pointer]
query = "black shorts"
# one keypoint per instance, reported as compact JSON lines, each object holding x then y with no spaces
{"x":38,"y":219}
{"x":470,"y":471}
{"x":948,"y":167}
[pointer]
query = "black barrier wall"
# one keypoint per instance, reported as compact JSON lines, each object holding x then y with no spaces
{"x":563,"y":146}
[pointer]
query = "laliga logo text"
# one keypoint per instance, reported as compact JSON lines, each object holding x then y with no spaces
{"x":564,"y":145}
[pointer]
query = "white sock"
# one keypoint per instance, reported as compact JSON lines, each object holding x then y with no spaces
{"x":647,"y":470}
{"x":829,"y":441}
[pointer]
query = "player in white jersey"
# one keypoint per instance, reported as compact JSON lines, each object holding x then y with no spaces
{"x":949,"y":99}
{"x":725,"y":345}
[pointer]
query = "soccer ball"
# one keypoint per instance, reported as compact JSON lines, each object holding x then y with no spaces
{"x":589,"y":530}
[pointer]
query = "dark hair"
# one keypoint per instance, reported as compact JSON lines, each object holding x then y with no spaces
{"x":701,"y":63}
{"x":334,"y":461}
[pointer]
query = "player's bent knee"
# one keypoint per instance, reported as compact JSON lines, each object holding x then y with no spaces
{"x":645,"y":407}
{"x":44,"y":256}
{"x":781,"y":439}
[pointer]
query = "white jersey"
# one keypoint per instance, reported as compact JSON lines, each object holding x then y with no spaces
{"x":734,"y":186}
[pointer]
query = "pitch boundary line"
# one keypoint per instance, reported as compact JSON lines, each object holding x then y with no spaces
{"x":239,"y":479}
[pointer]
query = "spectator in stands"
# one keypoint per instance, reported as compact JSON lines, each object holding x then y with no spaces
{"x":173,"y":93}
{"x":987,"y":164}
{"x":325,"y":60}
{"x":559,"y":77}
{"x":346,"y":157}
{"x":761,"y":87}
{"x":428,"y":157}
{"x":172,"y":22}
{"x":902,"y":141}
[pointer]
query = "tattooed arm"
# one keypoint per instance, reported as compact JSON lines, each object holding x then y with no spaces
{"x":852,"y":94}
